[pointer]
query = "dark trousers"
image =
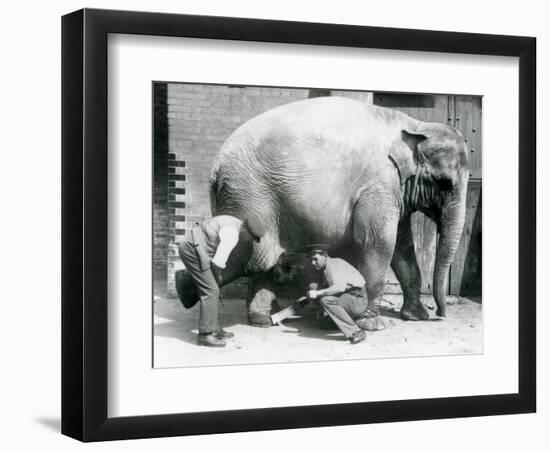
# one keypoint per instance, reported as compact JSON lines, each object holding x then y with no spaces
{"x":207,"y":286}
{"x":343,"y":309}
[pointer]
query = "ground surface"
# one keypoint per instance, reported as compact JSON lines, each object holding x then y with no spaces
{"x":301,"y":339}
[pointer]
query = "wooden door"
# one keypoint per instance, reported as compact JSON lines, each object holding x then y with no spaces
{"x":465,"y":273}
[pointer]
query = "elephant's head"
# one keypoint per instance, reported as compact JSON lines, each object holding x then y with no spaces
{"x":286,"y":269}
{"x":433,"y":166}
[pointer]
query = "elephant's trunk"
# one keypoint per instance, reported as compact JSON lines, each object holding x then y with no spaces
{"x":453,"y":214}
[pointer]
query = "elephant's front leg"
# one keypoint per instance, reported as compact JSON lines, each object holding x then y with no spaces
{"x":373,"y":265}
{"x":375,"y":259}
{"x":260,"y":299}
{"x":405,"y":267}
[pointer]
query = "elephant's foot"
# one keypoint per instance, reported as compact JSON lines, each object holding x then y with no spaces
{"x":371,"y":320}
{"x":414,"y":310}
{"x":371,"y":324}
{"x":260,"y":306}
{"x":259,"y":320}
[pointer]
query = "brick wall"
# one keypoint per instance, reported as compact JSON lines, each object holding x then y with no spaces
{"x":161,"y":236}
{"x":199,"y":119}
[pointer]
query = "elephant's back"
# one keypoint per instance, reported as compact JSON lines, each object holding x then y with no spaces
{"x":326,"y":146}
{"x":322,"y":113}
{"x":301,"y":126}
{"x":305,"y":162}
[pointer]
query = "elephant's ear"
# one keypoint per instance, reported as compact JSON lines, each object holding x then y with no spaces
{"x":404,"y":153}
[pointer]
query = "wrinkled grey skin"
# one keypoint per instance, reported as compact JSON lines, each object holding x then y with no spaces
{"x":339,"y":171}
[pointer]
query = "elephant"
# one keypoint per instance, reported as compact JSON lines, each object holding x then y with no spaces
{"x":348,"y":174}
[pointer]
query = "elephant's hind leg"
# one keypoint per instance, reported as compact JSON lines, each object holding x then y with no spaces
{"x":405,"y":267}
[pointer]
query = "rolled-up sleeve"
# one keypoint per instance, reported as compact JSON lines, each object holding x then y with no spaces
{"x":229,"y":237}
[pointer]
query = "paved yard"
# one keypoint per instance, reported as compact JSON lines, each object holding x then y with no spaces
{"x":301,"y":339}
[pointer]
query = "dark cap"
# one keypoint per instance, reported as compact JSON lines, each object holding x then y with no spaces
{"x":316,"y":248}
{"x":255,"y":227}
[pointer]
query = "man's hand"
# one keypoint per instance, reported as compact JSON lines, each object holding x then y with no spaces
{"x":312,"y":294}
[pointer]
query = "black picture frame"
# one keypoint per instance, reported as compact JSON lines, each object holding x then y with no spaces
{"x":84,"y":224}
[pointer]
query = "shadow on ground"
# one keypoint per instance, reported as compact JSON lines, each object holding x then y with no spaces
{"x":172,"y":320}
{"x":302,"y":339}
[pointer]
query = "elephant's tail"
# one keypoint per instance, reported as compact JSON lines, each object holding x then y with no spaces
{"x":213,"y":188}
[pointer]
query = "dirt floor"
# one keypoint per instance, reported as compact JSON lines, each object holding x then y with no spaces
{"x":301,"y":339}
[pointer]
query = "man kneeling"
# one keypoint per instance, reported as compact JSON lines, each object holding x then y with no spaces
{"x":344,"y":299}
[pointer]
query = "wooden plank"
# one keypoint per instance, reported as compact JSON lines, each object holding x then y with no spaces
{"x":403,"y":102}
{"x":468,"y":120}
{"x":465,"y":273}
{"x":427,"y":107}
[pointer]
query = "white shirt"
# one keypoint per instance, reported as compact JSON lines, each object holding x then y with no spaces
{"x":229,"y":237}
{"x":340,"y":272}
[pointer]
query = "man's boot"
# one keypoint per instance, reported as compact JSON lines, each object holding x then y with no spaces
{"x":223,"y":334}
{"x":210,"y":340}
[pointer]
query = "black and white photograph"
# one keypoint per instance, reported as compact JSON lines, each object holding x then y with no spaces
{"x":307,"y":224}
{"x":275,"y":225}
